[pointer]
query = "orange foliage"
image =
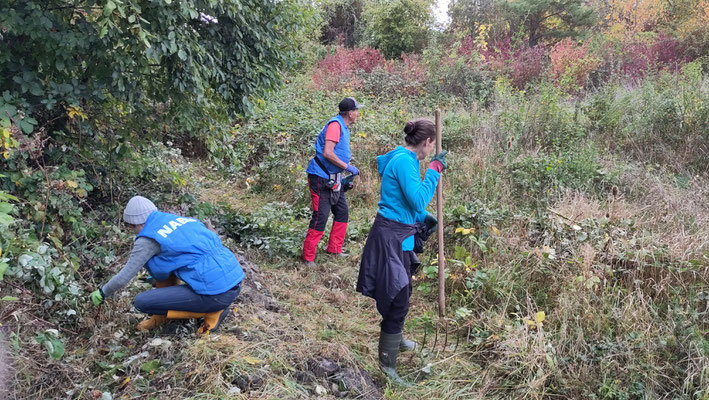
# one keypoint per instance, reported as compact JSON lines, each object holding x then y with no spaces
{"x":632,"y":16}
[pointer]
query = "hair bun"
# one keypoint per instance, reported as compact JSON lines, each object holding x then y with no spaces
{"x":410,"y":128}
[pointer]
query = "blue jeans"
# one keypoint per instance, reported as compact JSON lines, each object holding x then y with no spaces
{"x":183,"y":298}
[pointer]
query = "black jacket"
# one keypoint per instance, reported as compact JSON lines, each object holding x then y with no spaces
{"x":381,"y":272}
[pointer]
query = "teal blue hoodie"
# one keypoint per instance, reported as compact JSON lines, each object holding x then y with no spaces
{"x":403,"y":196}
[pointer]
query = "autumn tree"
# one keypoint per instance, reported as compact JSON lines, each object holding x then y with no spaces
{"x":468,"y":15}
{"x":548,"y":19}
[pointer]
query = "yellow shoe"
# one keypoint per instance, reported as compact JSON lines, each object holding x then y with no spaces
{"x":175,"y":314}
{"x":151,"y":323}
{"x":211,"y":320}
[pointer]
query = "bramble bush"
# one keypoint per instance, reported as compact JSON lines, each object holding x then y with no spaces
{"x":398,"y":78}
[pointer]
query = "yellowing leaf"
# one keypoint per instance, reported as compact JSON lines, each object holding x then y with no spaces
{"x":251,"y":360}
{"x":495,"y":231}
{"x":72,"y":184}
{"x":125,"y":382}
{"x":459,"y":230}
{"x":74,"y":112}
{"x":540,"y":317}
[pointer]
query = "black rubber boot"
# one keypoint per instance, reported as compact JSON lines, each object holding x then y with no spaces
{"x":406,"y":345}
{"x":388,"y":352}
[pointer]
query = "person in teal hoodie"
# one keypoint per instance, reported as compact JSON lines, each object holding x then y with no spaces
{"x":388,"y":259}
{"x":175,"y":248}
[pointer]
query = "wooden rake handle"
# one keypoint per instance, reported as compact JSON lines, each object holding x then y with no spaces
{"x":439,"y":211}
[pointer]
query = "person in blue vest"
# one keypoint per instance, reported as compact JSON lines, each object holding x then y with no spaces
{"x":175,"y":248}
{"x":332,"y":158}
{"x":388,"y":259}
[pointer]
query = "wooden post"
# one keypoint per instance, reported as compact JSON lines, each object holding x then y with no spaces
{"x":439,"y":206}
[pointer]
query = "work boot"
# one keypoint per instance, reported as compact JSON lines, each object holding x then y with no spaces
{"x":388,"y":352}
{"x":211,"y":320}
{"x":310,"y":264}
{"x":406,"y":345}
{"x":151,"y":323}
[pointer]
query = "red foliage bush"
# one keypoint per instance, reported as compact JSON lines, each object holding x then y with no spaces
{"x":635,"y":57}
{"x":522,"y":65}
{"x":345,"y":67}
{"x":571,"y":64}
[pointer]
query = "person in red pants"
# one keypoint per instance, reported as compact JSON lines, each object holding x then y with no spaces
{"x":332,"y":158}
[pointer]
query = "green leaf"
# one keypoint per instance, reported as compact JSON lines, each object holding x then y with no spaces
{"x":181,"y":53}
{"x":149,"y":367}
{"x":54,"y":346}
{"x":8,"y":298}
{"x":6,"y":208}
{"x":6,"y":219}
{"x":26,"y":127}
{"x":108,"y":9}
{"x":460,"y":253}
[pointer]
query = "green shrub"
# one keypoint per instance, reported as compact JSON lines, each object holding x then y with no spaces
{"x":663,"y":120}
{"x":396,"y":27}
{"x":541,"y":177}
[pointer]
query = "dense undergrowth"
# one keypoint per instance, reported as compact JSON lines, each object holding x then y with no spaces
{"x":576,"y":226}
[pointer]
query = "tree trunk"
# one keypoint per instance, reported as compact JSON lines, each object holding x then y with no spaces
{"x":533,"y":28}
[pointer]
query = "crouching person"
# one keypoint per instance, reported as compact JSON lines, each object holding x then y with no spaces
{"x":175,"y":248}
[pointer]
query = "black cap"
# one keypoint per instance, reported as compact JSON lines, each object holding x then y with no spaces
{"x":349,"y":104}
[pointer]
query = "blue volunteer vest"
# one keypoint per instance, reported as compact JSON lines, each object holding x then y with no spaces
{"x":192,"y":252}
{"x":342,"y":150}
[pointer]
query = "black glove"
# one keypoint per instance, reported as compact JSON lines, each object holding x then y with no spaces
{"x":347,"y":183}
{"x":431,"y":222}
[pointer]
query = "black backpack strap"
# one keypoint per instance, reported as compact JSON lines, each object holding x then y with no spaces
{"x":321,"y":165}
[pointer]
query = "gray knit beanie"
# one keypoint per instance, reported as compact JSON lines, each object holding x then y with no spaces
{"x":137,"y":210}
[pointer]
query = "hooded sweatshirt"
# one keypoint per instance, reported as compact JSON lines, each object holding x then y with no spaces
{"x":404,"y":196}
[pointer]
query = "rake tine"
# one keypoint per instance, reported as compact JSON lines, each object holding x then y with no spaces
{"x":423,"y":342}
{"x":445,"y":341}
{"x":457,"y":341}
